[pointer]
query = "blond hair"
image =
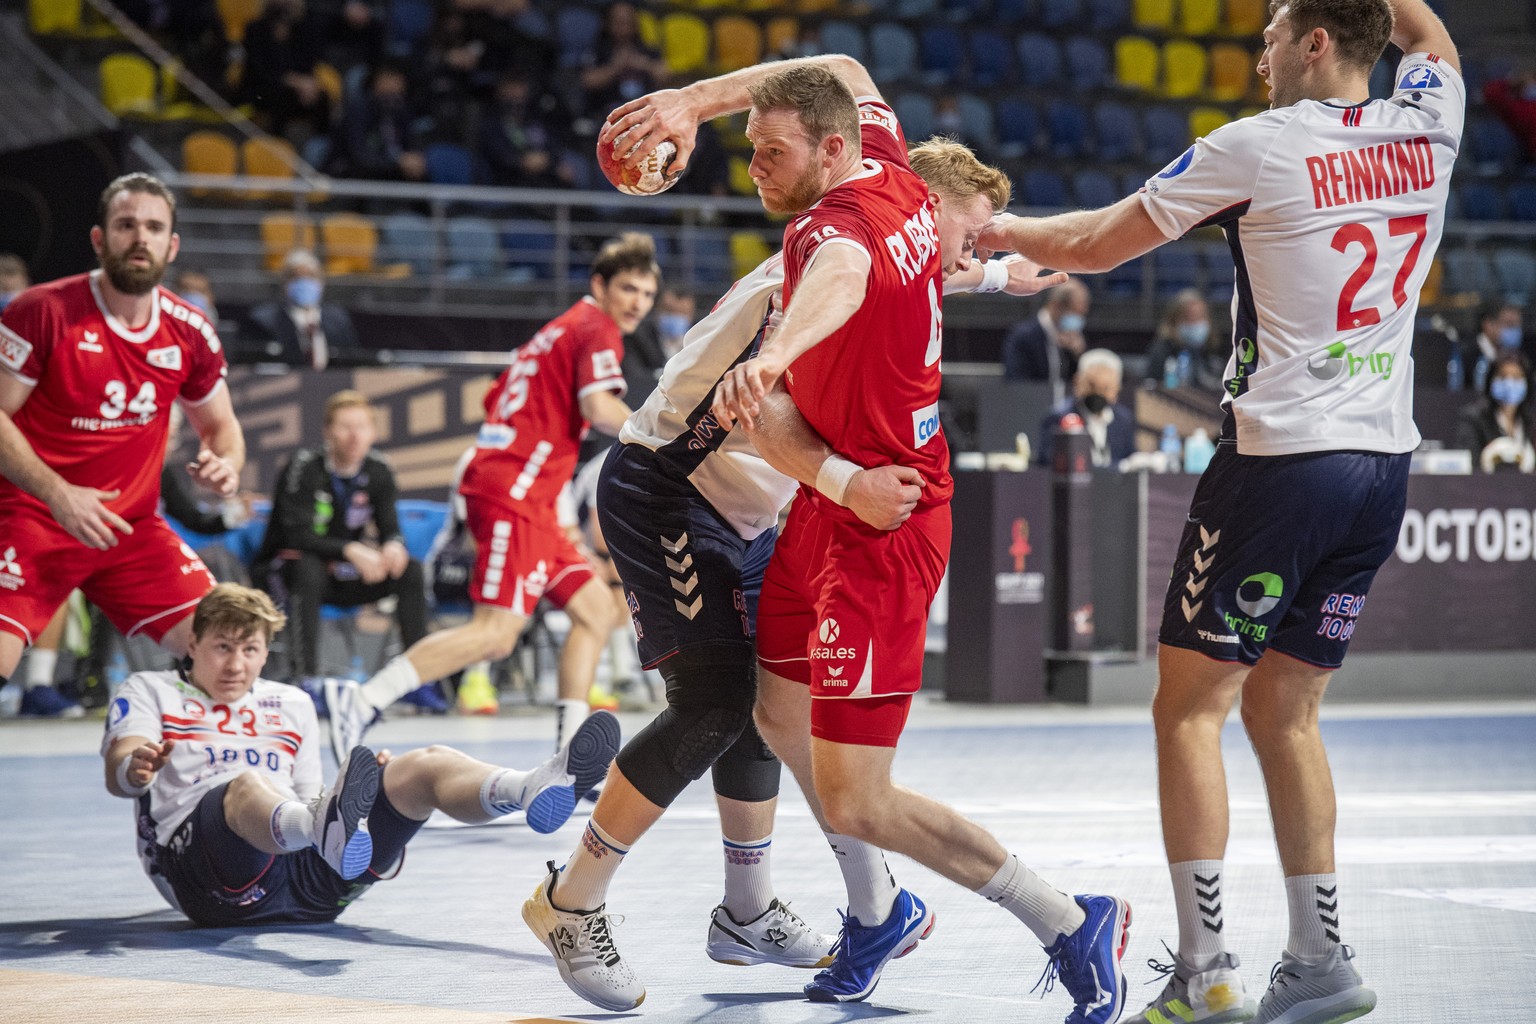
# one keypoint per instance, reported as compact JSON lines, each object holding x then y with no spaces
{"x":232,"y":610}
{"x":822,"y":100}
{"x":633,"y":250}
{"x":953,"y":171}
{"x":348,"y":399}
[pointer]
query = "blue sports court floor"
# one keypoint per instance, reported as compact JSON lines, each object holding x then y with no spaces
{"x":1437,"y":849}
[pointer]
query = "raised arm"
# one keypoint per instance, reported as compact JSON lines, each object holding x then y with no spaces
{"x":1085,"y":242}
{"x":1417,"y":29}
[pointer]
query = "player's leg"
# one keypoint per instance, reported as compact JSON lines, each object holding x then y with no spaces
{"x":306,"y":577}
{"x":335,"y":823}
{"x":39,"y":565}
{"x":591,"y":611}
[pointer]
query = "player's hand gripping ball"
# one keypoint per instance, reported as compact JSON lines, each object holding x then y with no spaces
{"x":650,"y":177}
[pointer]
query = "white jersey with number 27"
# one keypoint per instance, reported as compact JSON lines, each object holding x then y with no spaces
{"x":1333,"y":213}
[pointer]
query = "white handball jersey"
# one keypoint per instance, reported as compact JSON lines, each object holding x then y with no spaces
{"x":1333,"y":214}
{"x":675,"y":421}
{"x":271,"y":730}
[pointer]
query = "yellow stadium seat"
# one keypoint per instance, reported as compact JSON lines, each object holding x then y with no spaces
{"x":1231,"y":73}
{"x":351,"y":243}
{"x":684,"y":42}
{"x":128,"y":83}
{"x":649,"y":28}
{"x":50,"y":16}
{"x":1204,"y":120}
{"x":266,"y":158}
{"x":1184,"y":64}
{"x":1246,"y":17}
{"x":1429,"y":295}
{"x":781,"y":34}
{"x":207,"y":152}
{"x":748,"y":249}
{"x":740,"y":178}
{"x":236,"y":14}
{"x":738,"y":42}
{"x":329,"y":80}
{"x":281,"y":233}
{"x":1199,"y":17}
{"x":816,"y":6}
{"x":1136,"y":63}
{"x":1156,"y":14}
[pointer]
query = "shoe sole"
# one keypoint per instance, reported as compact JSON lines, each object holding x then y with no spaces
{"x":1123,"y":923}
{"x":532,"y":912}
{"x":359,"y":789}
{"x":735,"y":956}
{"x":902,"y":949}
{"x":550,"y":808}
{"x":1362,"y":1001}
{"x":591,"y":750}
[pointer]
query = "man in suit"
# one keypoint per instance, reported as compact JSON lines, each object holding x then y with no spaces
{"x":1048,"y":347}
{"x":300,"y":329}
{"x":1111,"y":426}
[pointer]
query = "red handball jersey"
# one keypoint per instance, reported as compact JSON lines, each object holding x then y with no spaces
{"x":872,"y":388}
{"x":533,"y":427}
{"x":99,"y":411}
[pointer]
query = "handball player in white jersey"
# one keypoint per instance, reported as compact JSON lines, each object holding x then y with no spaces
{"x":1333,"y":205}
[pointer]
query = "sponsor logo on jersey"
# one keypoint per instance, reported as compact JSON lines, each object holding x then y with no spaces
{"x":1371,"y":172}
{"x":925,"y":425}
{"x":14,"y":349}
{"x":829,"y":631}
{"x":1336,"y":359}
{"x":1216,"y":638}
{"x":168,"y":358}
{"x":192,"y":709}
{"x":91,"y":342}
{"x":1421,"y":76}
{"x":1179,"y":166}
{"x":495,"y":435}
{"x":11,"y":576}
{"x":870,"y":113}
{"x":117,"y":712}
{"x":1258,"y":595}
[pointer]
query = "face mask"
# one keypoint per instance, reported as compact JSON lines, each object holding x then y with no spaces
{"x":305,"y":291}
{"x":1071,"y":323}
{"x":1095,"y":403}
{"x":6,"y":297}
{"x":198,"y":300}
{"x":672,"y":325}
{"x":1510,"y":337}
{"x":1194,"y":335}
{"x":1507,"y":390}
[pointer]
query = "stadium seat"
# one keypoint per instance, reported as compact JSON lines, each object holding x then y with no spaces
{"x":1044,"y":187}
{"x":915,"y":112}
{"x":1204,"y":120}
{"x":783,"y":33}
{"x":915,"y":9}
{"x":1105,"y":16}
{"x":449,"y":163}
{"x":351,"y":244}
{"x":649,"y":28}
{"x":1136,"y":63}
{"x":236,"y":15}
{"x":976,"y":120}
{"x":1118,"y":132}
{"x":529,"y":247}
{"x":1068,"y":129}
{"x":128,"y":84}
{"x":1132,"y":182}
{"x":1489,"y":146}
{"x":1094,"y":189}
{"x":684,"y":43}
{"x":1245,"y":17}
{"x":1007,"y":14}
{"x":738,"y":42}
{"x":1184,"y":64}
{"x":1468,"y":273}
{"x":710,"y":249}
{"x":1231,"y":73}
{"x":941,"y":53}
{"x":1178,"y":267}
{"x":1039,"y":61}
{"x":892,"y":52}
{"x":1384,"y":80}
{"x":420,"y":522}
{"x":409,"y":23}
{"x":474,"y":249}
{"x":1198,"y":17}
{"x":409,"y":238}
{"x":1220,"y":272}
{"x":1516,"y":270}
{"x":992,"y":61}
{"x":47,"y":17}
{"x":1522,"y":201}
{"x":267,"y":157}
{"x":1088,"y":64}
{"x":1167,"y":134}
{"x":209,"y":152}
{"x":967,"y":12}
{"x":843,"y":37}
{"x":748,"y":249}
{"x":576,"y":30}
{"x":1481,"y":200}
{"x":1018,"y":127}
{"x":1434,"y":281}
{"x":280,"y":234}
{"x":1153,"y":14}
{"x":1124,"y":281}
{"x":1060,"y":14}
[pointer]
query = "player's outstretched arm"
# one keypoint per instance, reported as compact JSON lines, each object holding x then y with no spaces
{"x":1011,"y":275}
{"x":222,"y":453}
{"x":1417,"y":29}
{"x":132,"y":762}
{"x":606,"y":412}
{"x":1085,"y":242}
{"x":677,"y":113}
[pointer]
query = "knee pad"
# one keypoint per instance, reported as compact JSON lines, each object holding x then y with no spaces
{"x":709,"y":705}
{"x":749,"y":771}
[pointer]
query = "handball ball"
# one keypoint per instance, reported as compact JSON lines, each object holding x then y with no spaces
{"x":649,"y":177}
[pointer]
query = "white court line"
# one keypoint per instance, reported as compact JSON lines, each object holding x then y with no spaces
{"x":1521,"y":900}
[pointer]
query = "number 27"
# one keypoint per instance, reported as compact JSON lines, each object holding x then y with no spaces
{"x":1350,"y":234}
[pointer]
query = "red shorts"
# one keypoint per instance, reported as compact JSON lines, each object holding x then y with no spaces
{"x":844,"y":609}
{"x":519,"y":560}
{"x":147,"y":584}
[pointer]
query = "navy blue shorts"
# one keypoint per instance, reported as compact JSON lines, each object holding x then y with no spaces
{"x":690,"y":578}
{"x":1279,"y":552}
{"x":221,"y":880}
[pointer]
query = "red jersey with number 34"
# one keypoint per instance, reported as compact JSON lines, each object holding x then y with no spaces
{"x":99,"y":411}
{"x":533,"y":427}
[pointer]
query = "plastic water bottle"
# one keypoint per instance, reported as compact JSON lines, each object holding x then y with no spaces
{"x":1170,"y":373}
{"x":10,"y":700}
{"x":1171,"y":447}
{"x":1186,"y":368}
{"x":1480,"y":375}
{"x":1198,"y":451}
{"x":355,"y":670}
{"x":1455,"y":373}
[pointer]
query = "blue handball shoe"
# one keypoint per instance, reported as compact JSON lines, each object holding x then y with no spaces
{"x":1088,"y":961}
{"x":861,"y":953}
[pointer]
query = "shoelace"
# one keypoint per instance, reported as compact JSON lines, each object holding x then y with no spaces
{"x":1162,"y":970}
{"x":1278,"y":975}
{"x":1048,"y":977}
{"x":598,"y":937}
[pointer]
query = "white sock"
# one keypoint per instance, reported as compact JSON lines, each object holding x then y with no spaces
{"x":583,"y":882}
{"x":293,"y":826}
{"x":391,"y":682}
{"x":1314,"y":906}
{"x":621,"y":653}
{"x":1045,"y":910}
{"x":569,"y":714}
{"x":41,"y":662}
{"x":748,"y":881}
{"x":871,"y":887}
{"x":1198,"y":900}
{"x":504,"y":791}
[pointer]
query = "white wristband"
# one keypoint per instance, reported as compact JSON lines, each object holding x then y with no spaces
{"x":122,"y":779}
{"x":833,"y":476}
{"x":994,"y":277}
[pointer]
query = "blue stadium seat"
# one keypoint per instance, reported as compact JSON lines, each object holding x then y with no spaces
{"x":1383,"y":79}
{"x":1178,"y":267}
{"x":529,"y":247}
{"x":1522,"y":201}
{"x":420,"y":522}
{"x":1060,"y":13}
{"x":1089,"y":64}
{"x":1109,"y":15}
{"x":1481,"y":200}
{"x":1490,"y":147}
{"x":992,"y":61}
{"x":892,"y":52}
{"x":711,"y":249}
{"x":1132,"y":182}
{"x":1116,"y":127}
{"x":576,"y":32}
{"x":1468,"y":271}
{"x":1039,"y":61}
{"x":1008,"y":13}
{"x":843,"y":37}
{"x":448,"y":163}
{"x":1044,"y":187}
{"x":1219,"y":272}
{"x":1018,"y":127}
{"x":915,"y":112}
{"x":409,"y":23}
{"x":1167,"y":134}
{"x":914,"y":8}
{"x":976,"y":120}
{"x":967,"y":12}
{"x":474,"y":249}
{"x":1516,"y":270}
{"x":1067,"y":126}
{"x":1125,"y":281}
{"x":1094,"y":189}
{"x":409,"y":238}
{"x":942,"y":53}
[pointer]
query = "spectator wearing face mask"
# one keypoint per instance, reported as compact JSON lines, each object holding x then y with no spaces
{"x":1111,"y":427}
{"x":1047,"y":346}
{"x":14,"y":278}
{"x":1497,"y":428}
{"x":1499,"y":331}
{"x":1514,"y":100}
{"x":1185,"y":329}
{"x":300,"y":328}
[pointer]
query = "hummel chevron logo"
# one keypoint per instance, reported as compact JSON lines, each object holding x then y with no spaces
{"x":1194,"y":586}
{"x":675,"y":546}
{"x":1208,"y":882}
{"x":1190,"y":611}
{"x":688,"y":611}
{"x":680,"y":567}
{"x":685,"y":587}
{"x":1202,"y":564}
{"x":1208,"y":540}
{"x":1327,"y":894}
{"x":1213,"y":911}
{"x":1214,"y":927}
